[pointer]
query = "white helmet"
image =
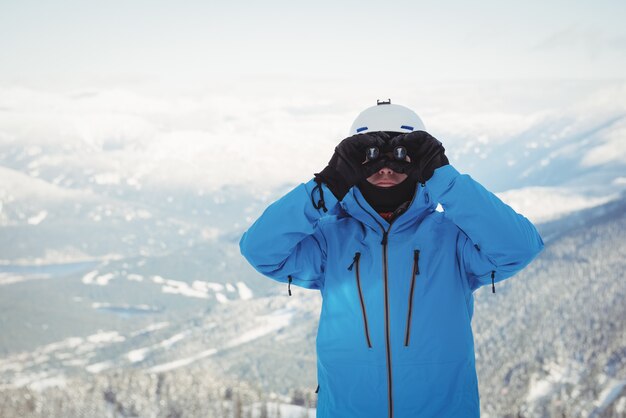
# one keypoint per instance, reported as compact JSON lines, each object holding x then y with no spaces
{"x":387,"y":117}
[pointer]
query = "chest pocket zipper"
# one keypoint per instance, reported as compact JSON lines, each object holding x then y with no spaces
{"x":416,"y":271}
{"x":355,"y":263}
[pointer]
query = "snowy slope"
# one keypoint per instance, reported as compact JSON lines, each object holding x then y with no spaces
{"x":550,"y":341}
{"x":121,"y":213}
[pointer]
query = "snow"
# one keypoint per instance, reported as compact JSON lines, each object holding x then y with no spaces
{"x":206,"y":286}
{"x":158,"y":279}
{"x":609,"y":394}
{"x":75,"y":345}
{"x":130,"y":215}
{"x":264,"y":325}
{"x":556,"y":202}
{"x":37,"y":219}
{"x":57,"y":381}
{"x":98,"y":367}
{"x":620,"y":406}
{"x":135,"y":277}
{"x":107,"y":178}
{"x":8,"y":278}
{"x":104,"y":279}
{"x":27,"y":379}
{"x":611,"y":148}
{"x":148,"y":149}
{"x":181,"y":362}
{"x":181,"y":288}
{"x":17,"y":186}
{"x":286,"y":410}
{"x":68,"y":343}
{"x":140,"y":354}
{"x":150,"y":328}
{"x":184,"y":290}
{"x":210,"y":234}
{"x":93,"y":278}
{"x":89,"y":277}
{"x":544,"y":385}
{"x":77,"y":362}
{"x":137,"y":355}
{"x":173,"y":155}
{"x":245,"y":293}
{"x":216,"y":287}
{"x":35,"y":368}
{"x":6,"y":366}
{"x":40,"y":359}
{"x":125,"y":307}
{"x":221,"y":298}
{"x":539,"y":390}
{"x":105,"y":337}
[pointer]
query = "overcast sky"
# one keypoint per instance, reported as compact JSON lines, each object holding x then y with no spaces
{"x":65,"y":41}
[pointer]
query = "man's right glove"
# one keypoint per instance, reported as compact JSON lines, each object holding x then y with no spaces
{"x":348,"y":165}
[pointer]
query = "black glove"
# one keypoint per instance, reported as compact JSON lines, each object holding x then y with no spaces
{"x":426,"y":154}
{"x":348,"y":165}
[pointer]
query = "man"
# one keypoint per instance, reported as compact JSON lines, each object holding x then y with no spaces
{"x":397,"y":277}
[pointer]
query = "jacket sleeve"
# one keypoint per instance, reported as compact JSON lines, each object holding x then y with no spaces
{"x":495,"y":242}
{"x":286,"y":241}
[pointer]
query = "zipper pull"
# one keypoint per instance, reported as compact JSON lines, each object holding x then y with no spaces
{"x":289,"y":285}
{"x":357,"y":255}
{"x":416,"y":258}
{"x":384,"y":241}
{"x":493,"y":286}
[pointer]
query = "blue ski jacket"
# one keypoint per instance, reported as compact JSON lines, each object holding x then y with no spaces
{"x":394,"y":337}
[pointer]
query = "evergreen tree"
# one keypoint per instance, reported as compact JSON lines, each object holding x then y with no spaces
{"x":237,"y":407}
{"x":264,"y":413}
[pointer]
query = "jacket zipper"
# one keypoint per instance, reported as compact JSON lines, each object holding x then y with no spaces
{"x":387,"y":338}
{"x":386,"y":280}
{"x":416,"y":271}
{"x":357,"y":256}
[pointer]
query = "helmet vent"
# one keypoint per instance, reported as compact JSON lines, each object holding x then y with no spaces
{"x":361,"y":129}
{"x":410,"y":128}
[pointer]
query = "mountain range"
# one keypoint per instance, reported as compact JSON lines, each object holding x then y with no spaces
{"x":123,"y":295}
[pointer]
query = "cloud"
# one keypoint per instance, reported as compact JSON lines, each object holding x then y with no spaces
{"x":591,"y":41}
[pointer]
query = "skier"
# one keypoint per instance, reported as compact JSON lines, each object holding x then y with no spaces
{"x":397,"y":277}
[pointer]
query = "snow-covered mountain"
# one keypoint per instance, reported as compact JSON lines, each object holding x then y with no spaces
{"x":120,"y":267}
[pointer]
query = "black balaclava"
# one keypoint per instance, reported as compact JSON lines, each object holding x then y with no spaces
{"x":387,"y":199}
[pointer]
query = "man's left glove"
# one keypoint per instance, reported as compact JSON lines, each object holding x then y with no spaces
{"x":426,"y":154}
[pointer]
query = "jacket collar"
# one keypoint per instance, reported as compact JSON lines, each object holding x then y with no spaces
{"x":356,"y":206}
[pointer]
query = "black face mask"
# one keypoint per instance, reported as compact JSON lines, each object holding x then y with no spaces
{"x":387,"y":199}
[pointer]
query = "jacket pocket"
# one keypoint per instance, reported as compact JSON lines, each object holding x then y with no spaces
{"x":415,"y":272}
{"x":355,"y":263}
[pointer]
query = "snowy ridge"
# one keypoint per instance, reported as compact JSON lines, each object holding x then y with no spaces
{"x":543,"y":204}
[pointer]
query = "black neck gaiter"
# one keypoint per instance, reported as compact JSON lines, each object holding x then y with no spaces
{"x":387,"y":199}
